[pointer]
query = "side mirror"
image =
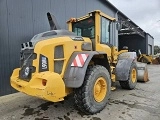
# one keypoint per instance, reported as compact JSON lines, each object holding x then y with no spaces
{"x":118,"y":26}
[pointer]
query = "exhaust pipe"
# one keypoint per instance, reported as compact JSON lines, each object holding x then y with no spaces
{"x":139,"y":52}
{"x":53,"y":22}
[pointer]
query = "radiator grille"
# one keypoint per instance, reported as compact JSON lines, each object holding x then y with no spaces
{"x":58,"y":65}
{"x":58,"y":52}
{"x":58,"y":59}
{"x":27,"y":57}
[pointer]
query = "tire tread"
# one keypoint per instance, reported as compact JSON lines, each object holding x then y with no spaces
{"x":80,"y":93}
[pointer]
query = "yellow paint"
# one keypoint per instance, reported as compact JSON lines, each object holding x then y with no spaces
{"x":145,"y":58}
{"x":107,"y":16}
{"x":97,"y":30}
{"x":133,"y":75}
{"x":100,"y":89}
{"x":113,"y":75}
{"x":98,"y":14}
{"x":47,"y":49}
{"x":53,"y":91}
{"x":55,"y":84}
{"x":113,"y":88}
{"x":116,"y":53}
{"x":69,"y":26}
{"x":104,"y":48}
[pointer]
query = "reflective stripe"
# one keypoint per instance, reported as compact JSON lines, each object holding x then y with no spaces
{"x":79,"y":60}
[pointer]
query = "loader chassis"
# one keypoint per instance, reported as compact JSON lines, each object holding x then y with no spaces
{"x":81,"y":60}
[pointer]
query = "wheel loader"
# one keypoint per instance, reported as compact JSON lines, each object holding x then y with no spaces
{"x":149,"y":59}
{"x":144,"y":58}
{"x":80,"y":61}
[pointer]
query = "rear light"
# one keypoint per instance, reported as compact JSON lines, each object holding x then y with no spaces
{"x":44,"y":82}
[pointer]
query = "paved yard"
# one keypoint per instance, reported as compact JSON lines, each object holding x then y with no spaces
{"x":143,"y":103}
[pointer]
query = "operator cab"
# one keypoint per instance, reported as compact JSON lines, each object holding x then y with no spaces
{"x":95,"y":25}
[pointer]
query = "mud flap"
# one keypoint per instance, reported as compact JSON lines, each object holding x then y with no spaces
{"x":122,"y":69}
{"x":74,"y":75}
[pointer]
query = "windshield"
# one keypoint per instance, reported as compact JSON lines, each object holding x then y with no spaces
{"x":85,"y":28}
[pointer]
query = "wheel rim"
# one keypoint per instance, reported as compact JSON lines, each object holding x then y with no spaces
{"x":100,"y":89}
{"x":134,"y":75}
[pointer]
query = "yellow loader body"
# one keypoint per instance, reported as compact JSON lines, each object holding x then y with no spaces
{"x":48,"y":85}
{"x":54,"y":90}
{"x":58,"y":62}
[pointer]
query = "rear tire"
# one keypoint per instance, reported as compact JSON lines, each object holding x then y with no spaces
{"x":132,"y":81}
{"x":93,"y":95}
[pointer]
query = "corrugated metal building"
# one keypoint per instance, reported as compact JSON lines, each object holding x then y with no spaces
{"x":20,"y":20}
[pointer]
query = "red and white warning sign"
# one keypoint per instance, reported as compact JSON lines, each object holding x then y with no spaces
{"x":79,"y":60}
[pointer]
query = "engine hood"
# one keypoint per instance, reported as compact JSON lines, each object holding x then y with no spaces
{"x":48,"y":35}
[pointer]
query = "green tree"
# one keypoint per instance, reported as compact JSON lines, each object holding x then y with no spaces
{"x":156,"y":49}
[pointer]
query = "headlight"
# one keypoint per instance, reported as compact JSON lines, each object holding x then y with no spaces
{"x":26,"y":71}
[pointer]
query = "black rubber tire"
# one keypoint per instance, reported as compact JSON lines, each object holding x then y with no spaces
{"x":84,"y":99}
{"x":129,"y":84}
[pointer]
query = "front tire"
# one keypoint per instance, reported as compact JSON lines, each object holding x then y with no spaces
{"x":93,"y":95}
{"x":132,"y":78}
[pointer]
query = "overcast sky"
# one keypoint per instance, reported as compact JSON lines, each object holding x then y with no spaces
{"x":145,"y":13}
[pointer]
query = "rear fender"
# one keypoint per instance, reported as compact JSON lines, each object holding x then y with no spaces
{"x":122,"y":69}
{"x":125,"y":61}
{"x":74,"y":75}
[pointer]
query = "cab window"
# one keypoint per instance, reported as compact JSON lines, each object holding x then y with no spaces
{"x":85,"y":28}
{"x":105,"y":29}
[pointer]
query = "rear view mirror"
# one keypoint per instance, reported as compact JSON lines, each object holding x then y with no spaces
{"x":118,"y":26}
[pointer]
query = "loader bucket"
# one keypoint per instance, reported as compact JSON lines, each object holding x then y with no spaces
{"x":156,"y":60}
{"x":142,"y":72}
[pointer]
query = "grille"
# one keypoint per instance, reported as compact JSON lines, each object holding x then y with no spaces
{"x":58,"y":52}
{"x":58,"y":65}
{"x":27,"y":54}
{"x":58,"y":59}
{"x":26,"y":59}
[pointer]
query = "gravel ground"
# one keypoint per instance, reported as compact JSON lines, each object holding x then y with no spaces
{"x":142,"y":103}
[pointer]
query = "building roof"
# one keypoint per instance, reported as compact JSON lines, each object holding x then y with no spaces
{"x":120,"y":13}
